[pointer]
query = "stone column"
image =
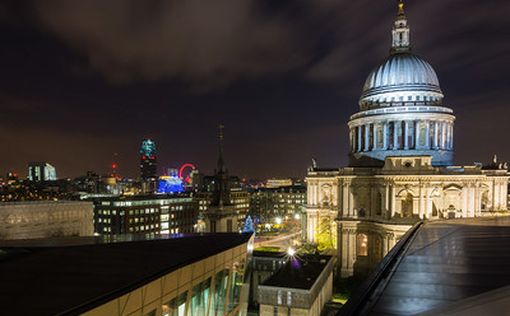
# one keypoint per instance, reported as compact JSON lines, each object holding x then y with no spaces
{"x":387,"y":201}
{"x":392,"y":197}
{"x":416,"y":134}
{"x":360,"y":138}
{"x":428,"y":204}
{"x":478,"y":201}
{"x":311,"y":221}
{"x":427,"y":134}
{"x":367,"y":137}
{"x":439,"y":135}
{"x":351,"y":202}
{"x":464,"y":200}
{"x":396,"y":145}
{"x":345,"y":199}
{"x":451,"y":136}
{"x":405,"y":135}
{"x":447,"y":133}
{"x":345,"y":252}
{"x":385,"y":135}
{"x":472,"y":203}
{"x":497,"y":195}
{"x":444,"y":136}
{"x":384,"y":245}
{"x":421,"y":200}
{"x":447,"y":140}
{"x":436,"y":135}
{"x":374,"y":136}
{"x":504,"y":197}
{"x":351,"y":140}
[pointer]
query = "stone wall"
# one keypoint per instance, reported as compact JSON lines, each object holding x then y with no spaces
{"x":42,"y":219}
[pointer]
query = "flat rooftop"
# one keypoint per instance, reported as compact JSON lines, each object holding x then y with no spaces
{"x":73,"y":275}
{"x":299,"y":273}
{"x":451,"y":262}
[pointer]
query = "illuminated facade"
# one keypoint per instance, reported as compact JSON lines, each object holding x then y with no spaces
{"x":42,"y":219}
{"x":149,"y":215}
{"x":171,"y":183}
{"x":401,"y":164}
{"x":284,"y":201}
{"x":41,"y":171}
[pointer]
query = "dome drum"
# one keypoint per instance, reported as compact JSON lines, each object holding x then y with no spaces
{"x":373,"y":138}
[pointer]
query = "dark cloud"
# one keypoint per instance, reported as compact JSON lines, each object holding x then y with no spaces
{"x":283,"y":76}
{"x":210,"y":42}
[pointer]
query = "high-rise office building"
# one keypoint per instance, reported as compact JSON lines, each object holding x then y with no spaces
{"x":148,"y":165}
{"x":41,"y":171}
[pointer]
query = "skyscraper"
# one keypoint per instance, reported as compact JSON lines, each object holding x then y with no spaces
{"x":148,"y":165}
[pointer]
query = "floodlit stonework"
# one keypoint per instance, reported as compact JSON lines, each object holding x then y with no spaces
{"x":401,"y":165}
{"x":42,"y":219}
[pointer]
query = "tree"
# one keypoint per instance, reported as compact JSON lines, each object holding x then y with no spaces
{"x":248,"y":225}
{"x":326,"y":239}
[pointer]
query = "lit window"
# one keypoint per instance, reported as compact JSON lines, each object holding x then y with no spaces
{"x":362,"y":245}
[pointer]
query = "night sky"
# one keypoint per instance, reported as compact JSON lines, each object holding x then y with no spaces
{"x":83,"y":82}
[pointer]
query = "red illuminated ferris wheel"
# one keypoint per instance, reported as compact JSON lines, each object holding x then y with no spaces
{"x":185,"y":172}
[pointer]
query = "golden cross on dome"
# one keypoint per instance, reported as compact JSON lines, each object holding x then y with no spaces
{"x":400,"y":7}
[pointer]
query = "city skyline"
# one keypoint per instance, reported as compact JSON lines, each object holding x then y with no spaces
{"x":67,"y":103}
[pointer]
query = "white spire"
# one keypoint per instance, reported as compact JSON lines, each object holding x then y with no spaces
{"x":400,"y":33}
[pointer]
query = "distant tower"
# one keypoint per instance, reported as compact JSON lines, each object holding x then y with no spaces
{"x":148,"y":165}
{"x":221,"y":190}
{"x":220,"y":164}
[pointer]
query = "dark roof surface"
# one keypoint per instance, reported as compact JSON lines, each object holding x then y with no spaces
{"x":299,"y":273}
{"x":449,"y":261}
{"x":53,"y":278}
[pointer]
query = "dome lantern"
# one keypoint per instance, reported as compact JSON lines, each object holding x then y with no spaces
{"x":400,"y":33}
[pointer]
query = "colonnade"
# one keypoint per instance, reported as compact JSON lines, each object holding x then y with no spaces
{"x":402,"y":135}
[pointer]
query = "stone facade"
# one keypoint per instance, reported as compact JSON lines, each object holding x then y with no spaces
{"x":401,"y":165}
{"x":28,"y":220}
{"x":386,"y":201}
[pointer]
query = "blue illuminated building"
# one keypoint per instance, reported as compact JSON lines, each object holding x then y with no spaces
{"x":170,"y":184}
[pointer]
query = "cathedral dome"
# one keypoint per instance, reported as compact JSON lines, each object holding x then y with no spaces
{"x":401,"y":108}
{"x":401,"y":72}
{"x":403,"y":77}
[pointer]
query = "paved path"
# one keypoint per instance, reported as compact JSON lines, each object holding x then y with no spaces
{"x":447,"y":262}
{"x":282,"y":241}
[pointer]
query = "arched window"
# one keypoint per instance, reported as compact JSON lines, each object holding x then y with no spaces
{"x":362,"y":245}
